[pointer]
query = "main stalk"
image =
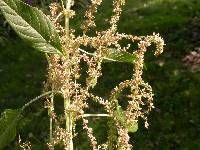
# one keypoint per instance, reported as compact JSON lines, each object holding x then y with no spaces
{"x":68,"y":115}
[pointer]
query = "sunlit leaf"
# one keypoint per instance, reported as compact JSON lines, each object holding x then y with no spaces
{"x":119,"y":56}
{"x":32,"y":25}
{"x":133,"y":127}
{"x":114,"y":55}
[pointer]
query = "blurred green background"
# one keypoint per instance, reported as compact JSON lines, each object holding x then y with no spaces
{"x":175,"y":121}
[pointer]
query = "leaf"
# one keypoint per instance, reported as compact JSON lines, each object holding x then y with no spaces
{"x":133,"y":127}
{"x":32,"y":25}
{"x":120,"y":115}
{"x":115,"y":55}
{"x":8,"y":122}
{"x":119,"y":56}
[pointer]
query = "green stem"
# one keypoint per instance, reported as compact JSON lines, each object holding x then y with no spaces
{"x":69,"y":121}
{"x":68,"y":115}
{"x":37,"y":98}
{"x":51,"y":119}
{"x":68,"y":6}
{"x":96,"y":115}
{"x":50,"y":109}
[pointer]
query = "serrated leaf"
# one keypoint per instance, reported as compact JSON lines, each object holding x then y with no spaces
{"x":119,"y":56}
{"x":8,"y":122}
{"x":32,"y":25}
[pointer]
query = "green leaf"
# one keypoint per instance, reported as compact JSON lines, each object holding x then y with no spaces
{"x":32,"y":25}
{"x":114,"y":55}
{"x":133,"y":127}
{"x":8,"y":122}
{"x":119,"y":56}
{"x":119,"y":113}
{"x":122,"y":119}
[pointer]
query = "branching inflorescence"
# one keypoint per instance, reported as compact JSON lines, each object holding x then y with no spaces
{"x":64,"y":74}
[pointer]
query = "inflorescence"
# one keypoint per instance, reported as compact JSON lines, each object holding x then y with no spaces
{"x":65,"y":71}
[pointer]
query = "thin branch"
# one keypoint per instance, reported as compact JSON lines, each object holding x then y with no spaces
{"x":92,"y":54}
{"x":96,"y":115}
{"x":37,"y":98}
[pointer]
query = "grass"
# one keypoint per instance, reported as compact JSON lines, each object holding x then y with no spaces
{"x":174,"y":123}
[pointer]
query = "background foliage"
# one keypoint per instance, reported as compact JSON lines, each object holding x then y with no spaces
{"x":174,"y":123}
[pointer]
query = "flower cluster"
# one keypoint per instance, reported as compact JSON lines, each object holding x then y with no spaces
{"x":65,"y":73}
